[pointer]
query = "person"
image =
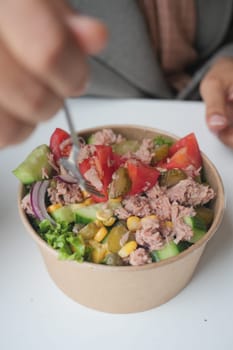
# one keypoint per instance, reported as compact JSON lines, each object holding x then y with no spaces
{"x":175,"y":49}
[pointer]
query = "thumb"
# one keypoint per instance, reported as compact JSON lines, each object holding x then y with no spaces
{"x":90,"y":33}
{"x":213,"y":93}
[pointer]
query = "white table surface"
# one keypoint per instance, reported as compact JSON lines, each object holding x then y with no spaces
{"x":35,"y":314}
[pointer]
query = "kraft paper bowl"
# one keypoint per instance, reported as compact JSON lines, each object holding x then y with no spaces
{"x":125,"y":289}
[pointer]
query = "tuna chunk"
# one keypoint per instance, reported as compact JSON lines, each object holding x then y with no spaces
{"x":148,"y":235}
{"x":86,"y":152}
{"x":189,"y":192}
{"x":122,"y":213}
{"x":145,"y":151}
{"x":139,"y":257}
{"x":181,"y":231}
{"x":159,"y":202}
{"x":156,"y":192}
{"x":65,"y":193}
{"x":26,"y":205}
{"x":137,"y":205}
{"x":106,"y":137}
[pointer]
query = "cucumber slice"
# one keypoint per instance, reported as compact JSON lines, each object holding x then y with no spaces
{"x":30,"y":170}
{"x":63,"y":214}
{"x":87,"y":214}
{"x":90,"y":140}
{"x":198,"y":226}
{"x":183,"y":245}
{"x":169,"y":250}
{"x":126,"y":146}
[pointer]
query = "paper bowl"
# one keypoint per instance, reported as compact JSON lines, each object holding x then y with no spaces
{"x":126,"y":289}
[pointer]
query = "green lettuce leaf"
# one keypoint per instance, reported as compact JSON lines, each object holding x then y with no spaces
{"x":163,"y":140}
{"x":61,"y":238}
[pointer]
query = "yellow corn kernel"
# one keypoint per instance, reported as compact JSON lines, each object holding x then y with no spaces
{"x":127,"y":249}
{"x":53,"y":207}
{"x":115,"y":200}
{"x":168,"y":224}
{"x":85,"y":194}
{"x":101,"y":233}
{"x":98,"y":223}
{"x":88,"y":201}
{"x":149,"y":217}
{"x":104,"y":214}
{"x":110,"y":221}
{"x":133,"y":223}
{"x":99,"y":251}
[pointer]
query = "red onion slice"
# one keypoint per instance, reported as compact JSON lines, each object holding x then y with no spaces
{"x":34,"y":199}
{"x":37,"y":199}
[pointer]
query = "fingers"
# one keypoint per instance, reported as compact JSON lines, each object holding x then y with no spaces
{"x":39,"y":38}
{"x":214,"y":95}
{"x":22,"y":94}
{"x":43,"y":48}
{"x":13,"y":130}
{"x":90,"y":33}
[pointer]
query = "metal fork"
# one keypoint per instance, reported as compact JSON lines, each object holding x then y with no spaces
{"x":70,"y":163}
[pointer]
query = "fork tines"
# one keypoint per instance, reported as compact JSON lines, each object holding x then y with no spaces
{"x":92,"y":190}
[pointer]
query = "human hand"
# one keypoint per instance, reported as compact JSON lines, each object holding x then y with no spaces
{"x":43,"y":49}
{"x":216,"y":90}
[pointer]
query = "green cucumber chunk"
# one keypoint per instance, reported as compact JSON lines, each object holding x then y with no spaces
{"x":126,"y":146}
{"x":63,"y":214}
{"x":183,"y":245}
{"x":198,"y":226}
{"x":30,"y":170}
{"x":169,"y":250}
{"x":79,"y":214}
{"x":86,"y":214}
{"x":90,"y":140}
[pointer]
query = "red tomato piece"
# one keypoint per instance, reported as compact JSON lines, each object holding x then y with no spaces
{"x":180,"y":160}
{"x":57,"y":137}
{"x":185,"y":152}
{"x":105,"y":164}
{"x":143,"y":177}
{"x":84,"y":166}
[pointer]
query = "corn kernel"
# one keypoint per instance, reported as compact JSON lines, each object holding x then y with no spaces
{"x":127,"y":249}
{"x":85,"y":194}
{"x":133,"y":223}
{"x":110,"y":221}
{"x":168,"y":224}
{"x":99,"y":251}
{"x":101,"y":233}
{"x":104,"y":214}
{"x":115,"y":200}
{"x":98,"y":223}
{"x":149,"y":217}
{"x":88,"y":201}
{"x":53,"y":207}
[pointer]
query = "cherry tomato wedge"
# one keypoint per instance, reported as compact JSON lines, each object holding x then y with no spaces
{"x":57,"y":137}
{"x":143,"y":177}
{"x":105,"y":162}
{"x":185,"y":152}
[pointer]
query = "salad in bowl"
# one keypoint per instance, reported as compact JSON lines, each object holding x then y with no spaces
{"x":156,"y":200}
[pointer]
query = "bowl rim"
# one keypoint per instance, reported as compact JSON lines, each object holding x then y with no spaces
{"x":201,"y":243}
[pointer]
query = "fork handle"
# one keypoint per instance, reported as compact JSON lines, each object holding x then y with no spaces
{"x":71,"y":126}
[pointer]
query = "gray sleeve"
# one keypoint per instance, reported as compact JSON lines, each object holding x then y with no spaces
{"x":191,"y":92}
